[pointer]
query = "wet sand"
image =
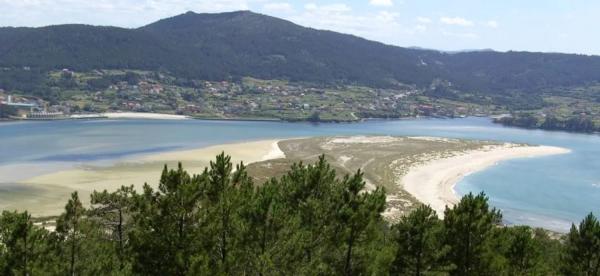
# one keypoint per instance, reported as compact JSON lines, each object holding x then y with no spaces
{"x":47,"y":194}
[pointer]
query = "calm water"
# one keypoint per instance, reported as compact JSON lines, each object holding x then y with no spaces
{"x":549,"y":191}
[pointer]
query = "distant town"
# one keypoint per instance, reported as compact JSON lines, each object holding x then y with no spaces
{"x":99,"y":91}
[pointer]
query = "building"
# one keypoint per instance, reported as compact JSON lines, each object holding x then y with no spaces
{"x":18,"y":105}
{"x":43,"y":115}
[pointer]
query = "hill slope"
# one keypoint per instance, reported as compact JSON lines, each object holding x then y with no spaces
{"x":248,"y":44}
{"x":238,"y":44}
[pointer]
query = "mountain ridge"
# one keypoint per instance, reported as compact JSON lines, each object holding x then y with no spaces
{"x":232,"y":45}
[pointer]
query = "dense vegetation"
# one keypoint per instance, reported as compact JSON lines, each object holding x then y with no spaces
{"x":194,"y":48}
{"x":308,"y":222}
{"x":580,"y":123}
{"x":238,"y":44}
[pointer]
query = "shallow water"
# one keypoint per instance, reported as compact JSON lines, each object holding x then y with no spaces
{"x":548,"y":191}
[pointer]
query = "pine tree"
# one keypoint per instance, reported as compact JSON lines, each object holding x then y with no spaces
{"x":17,"y":242}
{"x":307,"y":194}
{"x":228,"y":192}
{"x":113,"y":211}
{"x":264,"y":221}
{"x":468,"y":231}
{"x":356,"y":210}
{"x":549,"y":250}
{"x":582,"y":251}
{"x":523,"y":252}
{"x":165,"y":236}
{"x":68,"y":226}
{"x":417,"y":237}
{"x":308,"y":222}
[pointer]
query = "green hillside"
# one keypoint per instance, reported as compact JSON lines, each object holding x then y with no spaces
{"x":240,"y":44}
{"x":191,"y":49}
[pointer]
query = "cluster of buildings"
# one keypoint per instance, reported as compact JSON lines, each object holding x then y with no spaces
{"x":148,"y":93}
{"x":29,"y":109}
{"x":18,"y":102}
{"x":272,"y":98}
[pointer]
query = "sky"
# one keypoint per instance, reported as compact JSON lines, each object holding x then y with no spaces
{"x":568,"y":26}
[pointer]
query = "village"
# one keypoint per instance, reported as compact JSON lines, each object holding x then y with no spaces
{"x":102,"y":91}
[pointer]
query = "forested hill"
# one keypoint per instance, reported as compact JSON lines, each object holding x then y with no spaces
{"x":237,"y":44}
{"x":245,"y":43}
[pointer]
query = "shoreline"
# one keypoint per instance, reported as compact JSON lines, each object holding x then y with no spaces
{"x":165,"y":116}
{"x":434,"y":181}
{"x":143,"y":115}
{"x":46,"y":194}
{"x":431,"y":182}
{"x":128,"y":115}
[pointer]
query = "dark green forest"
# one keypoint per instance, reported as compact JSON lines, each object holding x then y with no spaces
{"x":580,"y":123}
{"x":193,"y":48}
{"x":308,"y":222}
{"x":233,"y":45}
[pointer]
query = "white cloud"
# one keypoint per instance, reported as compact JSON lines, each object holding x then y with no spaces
{"x":458,"y":21}
{"x":335,"y":16}
{"x":424,"y":20}
{"x":382,"y":26}
{"x":124,"y":13}
{"x":330,"y":8}
{"x":492,"y":24}
{"x":460,"y":35}
{"x":386,"y":16}
{"x":381,"y":3}
{"x":278,"y":7}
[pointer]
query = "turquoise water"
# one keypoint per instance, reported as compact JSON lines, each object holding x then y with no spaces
{"x":548,"y":191}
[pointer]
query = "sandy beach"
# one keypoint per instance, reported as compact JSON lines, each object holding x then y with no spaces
{"x":430,"y":180}
{"x":140,"y":115}
{"x":433,"y":182}
{"x":47,"y":194}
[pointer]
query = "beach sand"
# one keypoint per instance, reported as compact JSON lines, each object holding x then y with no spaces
{"x":141,"y":115}
{"x":430,"y":181}
{"x":46,"y":195}
{"x":433,"y":182}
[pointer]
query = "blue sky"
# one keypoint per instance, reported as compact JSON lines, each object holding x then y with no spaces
{"x":570,"y":26}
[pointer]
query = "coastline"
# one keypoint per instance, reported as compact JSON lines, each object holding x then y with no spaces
{"x":430,"y":182}
{"x":45,"y":195}
{"x":128,"y":115}
{"x":142,"y":115}
{"x":433,"y":182}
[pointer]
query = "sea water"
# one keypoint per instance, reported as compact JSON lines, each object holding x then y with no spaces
{"x":551,"y":191}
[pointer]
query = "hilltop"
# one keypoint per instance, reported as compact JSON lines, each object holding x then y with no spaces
{"x":240,"y":44}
